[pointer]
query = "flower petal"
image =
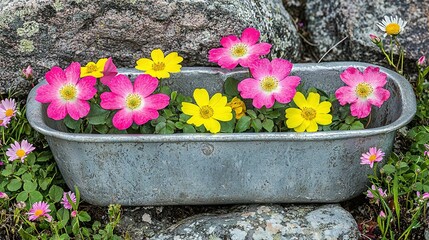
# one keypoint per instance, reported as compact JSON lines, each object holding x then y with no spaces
{"x":57,"y":110}
{"x":299,"y":100}
{"x":212,"y":125}
{"x":248,"y":88}
{"x":72,"y":72}
{"x":312,"y":127}
{"x":229,"y":41}
{"x":121,"y":85}
{"x":374,"y":77}
{"x":157,"y":101}
{"x":346,"y":95}
{"x":360,"y":109}
{"x":281,"y":68}
{"x":324,"y":107}
{"x":313,"y":99}
{"x":123,"y":119}
{"x":323,"y":119}
{"x":144,"y":64}
{"x":351,"y":76}
{"x":250,"y":36}
{"x":145,"y":115}
{"x":111,"y":101}
{"x":190,"y":109}
{"x":86,"y":88}
{"x":145,"y":85}
{"x":56,"y":76}
{"x":78,"y":109}
{"x":157,"y":55}
{"x":201,"y":97}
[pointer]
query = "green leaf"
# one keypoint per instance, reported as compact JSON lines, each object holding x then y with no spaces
{"x":389,"y":169}
{"x":71,"y":123}
{"x":256,"y":124}
{"x":30,"y":186}
{"x":31,"y":158}
{"x":22,"y":196}
{"x":189,"y":129}
{"x":63,"y":217}
{"x":75,"y":226}
{"x":7,"y":171}
{"x":268,"y":125}
{"x":14,"y":185}
{"x":35,"y":196}
{"x":349,"y":120}
{"x":97,"y":115}
{"x":85,"y":232}
{"x":243,"y":124}
{"x":179,"y":125}
{"x":357,"y":125}
{"x":25,"y":235}
{"x":21,"y":170}
{"x":44,"y":183}
{"x":251,"y":113}
{"x":165,"y":89}
{"x":227,"y":127}
{"x":27,"y":177}
{"x":56,"y":193}
{"x":84,"y":216}
{"x":230,"y":86}
{"x":44,"y":156}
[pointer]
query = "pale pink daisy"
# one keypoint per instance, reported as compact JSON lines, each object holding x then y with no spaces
{"x":269,"y":82}
{"x":426,"y":153}
{"x":39,"y":210}
{"x":109,"y":72}
{"x":135,"y":102}
{"x":65,"y":202}
{"x":243,"y":51}
{"x":19,"y":151}
{"x":4,"y":121}
{"x":67,"y":93}
{"x":3,"y":195}
{"x":373,"y":155}
{"x":8,"y":107}
{"x":363,"y":90}
{"x":382,"y":214}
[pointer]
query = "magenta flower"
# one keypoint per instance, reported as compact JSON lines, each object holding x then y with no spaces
{"x":270,"y":82}
{"x":3,"y":195}
{"x":67,"y":93}
{"x":28,"y":72}
{"x":65,"y":202}
{"x":19,"y":151}
{"x":363,"y":90}
{"x":373,"y":155}
{"x":135,"y":102}
{"x":109,"y":72}
{"x":382,"y":214}
{"x":8,"y":107}
{"x":39,"y":210}
{"x":243,"y":51}
{"x":426,"y":153}
{"x":73,"y":214}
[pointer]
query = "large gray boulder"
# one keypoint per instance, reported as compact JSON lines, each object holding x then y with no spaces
{"x":263,"y":222}
{"x":329,"y":21}
{"x":45,"y":33}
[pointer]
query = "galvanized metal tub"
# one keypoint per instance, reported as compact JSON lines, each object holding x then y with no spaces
{"x":173,"y":169}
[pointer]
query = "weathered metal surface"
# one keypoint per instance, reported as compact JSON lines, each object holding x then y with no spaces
{"x":142,"y":169}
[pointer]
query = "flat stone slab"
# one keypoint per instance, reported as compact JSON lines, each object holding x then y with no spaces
{"x":264,"y":222}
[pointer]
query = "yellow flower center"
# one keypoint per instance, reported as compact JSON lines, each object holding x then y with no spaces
{"x":308,"y":113}
{"x":372,"y":158}
{"x":393,"y":29}
{"x":363,"y":90}
{"x":159,"y":66}
{"x":68,"y":92}
{"x":38,"y":212}
{"x":239,"y":50}
{"x":9,"y":112}
{"x":91,"y":67}
{"x":133,"y":101}
{"x":20,"y":153}
{"x":206,"y":112}
{"x":268,"y":84}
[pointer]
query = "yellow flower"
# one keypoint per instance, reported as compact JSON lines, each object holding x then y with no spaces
{"x":309,"y":114}
{"x":238,"y":106}
{"x":159,"y":66}
{"x":207,"y":111}
{"x":93,"y":69}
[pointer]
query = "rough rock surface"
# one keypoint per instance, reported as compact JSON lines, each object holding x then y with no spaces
{"x":45,"y":33}
{"x":329,"y":21}
{"x":260,"y":222}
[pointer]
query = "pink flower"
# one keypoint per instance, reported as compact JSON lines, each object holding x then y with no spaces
{"x":382,"y":214}
{"x":109,"y":72}
{"x":73,"y":214}
{"x":270,"y":82}
{"x":19,"y":151}
{"x":135,"y":102}
{"x":421,"y":61}
{"x":373,"y":155}
{"x":4,"y":121}
{"x":3,"y":195}
{"x":382,"y":193}
{"x":242,"y":51}
{"x":67,"y":93}
{"x":426,"y":153}
{"x":374,"y":38}
{"x":28,"y":72}
{"x":8,"y":107}
{"x":425,"y":195}
{"x":39,"y":210}
{"x":363,"y":90}
{"x":65,"y":202}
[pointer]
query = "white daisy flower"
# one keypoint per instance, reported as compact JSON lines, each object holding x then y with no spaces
{"x":392,"y":25}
